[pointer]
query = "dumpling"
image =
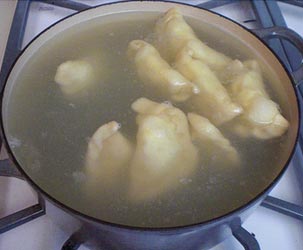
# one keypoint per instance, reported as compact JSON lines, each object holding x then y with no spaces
{"x":172,"y":34}
{"x":156,"y":72}
{"x":235,"y":68}
{"x":164,"y":153}
{"x":261,"y":117}
{"x":213,"y":100}
{"x":108,"y":156}
{"x":210,"y":139}
{"x":79,"y":76}
{"x":74,"y":75}
{"x":229,"y":73}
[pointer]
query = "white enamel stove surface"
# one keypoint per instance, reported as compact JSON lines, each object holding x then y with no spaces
{"x":272,"y":230}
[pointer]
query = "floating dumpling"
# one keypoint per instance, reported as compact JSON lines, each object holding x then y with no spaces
{"x":108,"y":156}
{"x":210,"y":139}
{"x":164,"y":153}
{"x":213,"y":100}
{"x":229,"y":73}
{"x":73,"y":76}
{"x":173,"y":34}
{"x":78,"y":76}
{"x":235,"y":68}
{"x":261,"y":117}
{"x":157,"y":73}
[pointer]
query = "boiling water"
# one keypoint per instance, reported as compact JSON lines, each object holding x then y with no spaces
{"x":49,"y":132}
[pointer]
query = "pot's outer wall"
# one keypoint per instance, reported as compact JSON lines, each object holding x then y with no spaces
{"x":193,"y":237}
{"x":204,"y":236}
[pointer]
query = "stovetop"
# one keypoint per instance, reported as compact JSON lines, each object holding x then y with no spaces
{"x":273,"y":230}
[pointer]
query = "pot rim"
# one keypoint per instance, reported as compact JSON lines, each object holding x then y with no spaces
{"x":258,"y":198}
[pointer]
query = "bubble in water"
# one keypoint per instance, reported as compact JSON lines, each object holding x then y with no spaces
{"x":185,"y":180}
{"x":242,"y":183}
{"x":43,"y":134}
{"x":196,"y":90}
{"x":14,"y":142}
{"x":79,"y":176}
{"x":72,"y":105}
{"x":212,"y":180}
{"x":35,"y":166}
{"x":167,"y":220}
{"x":168,"y":103}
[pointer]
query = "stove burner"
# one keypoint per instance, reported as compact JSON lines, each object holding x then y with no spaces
{"x":267,"y":14}
{"x":74,"y":241}
{"x":247,"y":239}
{"x":25,"y":215}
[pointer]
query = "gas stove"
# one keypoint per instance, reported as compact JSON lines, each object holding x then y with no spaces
{"x":276,"y":224}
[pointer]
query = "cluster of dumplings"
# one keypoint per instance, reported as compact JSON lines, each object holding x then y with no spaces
{"x":182,"y":69}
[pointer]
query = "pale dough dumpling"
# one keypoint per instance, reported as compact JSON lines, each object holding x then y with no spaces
{"x":261,"y":117}
{"x":164,"y":153}
{"x":205,"y":134}
{"x":74,"y":75}
{"x":235,"y":68}
{"x":213,"y":100}
{"x":108,"y":156}
{"x":173,"y":34}
{"x":157,"y":73}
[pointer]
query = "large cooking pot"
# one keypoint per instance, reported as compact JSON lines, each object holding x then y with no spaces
{"x":94,"y":232}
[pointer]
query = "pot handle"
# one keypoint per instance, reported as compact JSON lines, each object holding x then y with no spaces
{"x":289,"y":35}
{"x":247,"y":240}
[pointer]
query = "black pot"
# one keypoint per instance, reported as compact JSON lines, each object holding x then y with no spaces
{"x":94,"y":232}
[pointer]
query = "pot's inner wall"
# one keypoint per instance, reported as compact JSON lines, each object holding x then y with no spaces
{"x":48,"y":132}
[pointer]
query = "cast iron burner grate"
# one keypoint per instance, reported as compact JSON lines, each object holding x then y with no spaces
{"x":266,"y":14}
